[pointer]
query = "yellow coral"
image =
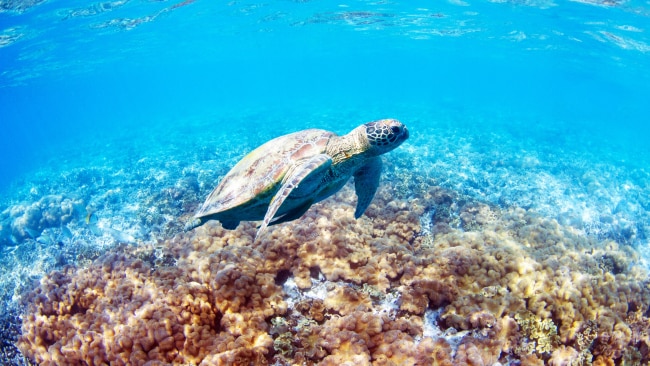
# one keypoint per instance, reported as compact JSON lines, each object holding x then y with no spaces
{"x":543,"y":332}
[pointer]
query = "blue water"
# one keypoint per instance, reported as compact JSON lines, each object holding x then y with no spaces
{"x":67,"y":79}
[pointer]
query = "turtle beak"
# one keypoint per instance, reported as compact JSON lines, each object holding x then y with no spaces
{"x":405,"y":133}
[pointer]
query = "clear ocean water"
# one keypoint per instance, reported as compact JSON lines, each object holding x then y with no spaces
{"x":538,"y":104}
{"x":71,"y":75}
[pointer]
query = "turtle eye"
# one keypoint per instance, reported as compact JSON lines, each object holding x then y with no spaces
{"x":395,"y":129}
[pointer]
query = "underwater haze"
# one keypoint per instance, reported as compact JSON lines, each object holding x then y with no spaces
{"x":120,"y":117}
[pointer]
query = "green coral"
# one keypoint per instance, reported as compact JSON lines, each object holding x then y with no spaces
{"x":586,"y":337}
{"x":631,"y":357}
{"x":279,"y":322}
{"x":492,"y":291}
{"x":305,"y":324}
{"x":283,"y":344}
{"x":542,"y":333}
{"x":427,"y":241}
{"x":584,"y":341}
{"x":375,"y":294}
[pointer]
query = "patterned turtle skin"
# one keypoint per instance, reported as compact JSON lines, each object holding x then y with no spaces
{"x":278,"y":181}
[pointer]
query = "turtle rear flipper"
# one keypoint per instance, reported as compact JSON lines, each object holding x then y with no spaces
{"x":196,"y":221}
{"x":293,"y":214}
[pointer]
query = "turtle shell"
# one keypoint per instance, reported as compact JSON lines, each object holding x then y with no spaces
{"x":250,"y":185}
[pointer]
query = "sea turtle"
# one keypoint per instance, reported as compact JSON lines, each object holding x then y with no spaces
{"x":278,"y":181}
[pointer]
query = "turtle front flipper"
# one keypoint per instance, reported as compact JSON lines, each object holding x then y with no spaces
{"x":298,"y":174}
{"x":366,"y":181}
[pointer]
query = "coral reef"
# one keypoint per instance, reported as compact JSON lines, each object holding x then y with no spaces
{"x":505,"y":285}
{"x":122,"y":311}
{"x":20,"y":222}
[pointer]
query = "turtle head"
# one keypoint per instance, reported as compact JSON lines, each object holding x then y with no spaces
{"x":384,"y":135}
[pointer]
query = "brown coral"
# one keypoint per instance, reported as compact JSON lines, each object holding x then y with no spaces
{"x":516,"y":286}
{"x":120,"y":311}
